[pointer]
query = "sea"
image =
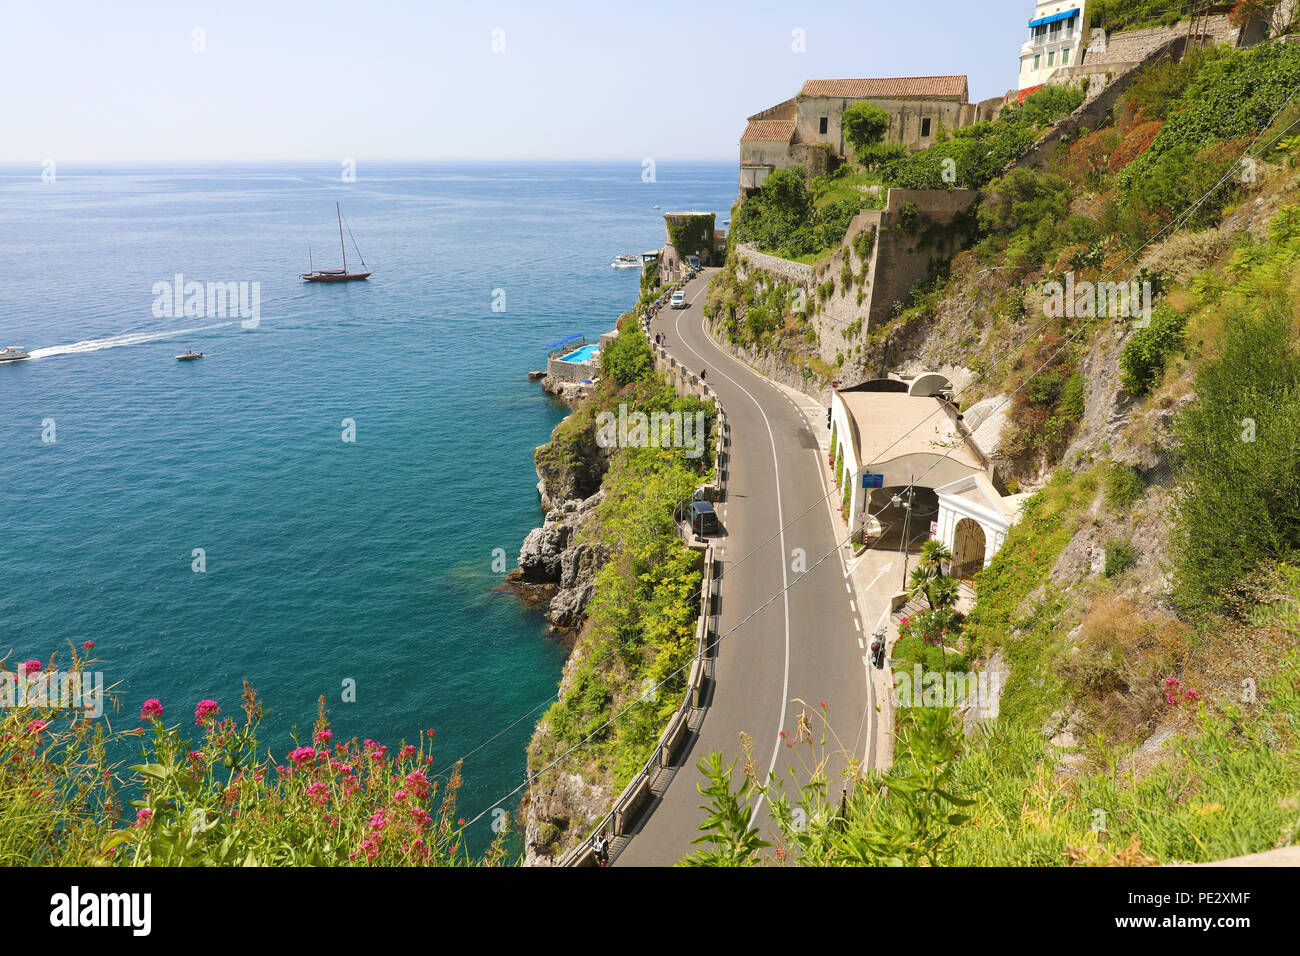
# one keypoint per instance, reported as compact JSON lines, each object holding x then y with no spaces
{"x":325,"y":502}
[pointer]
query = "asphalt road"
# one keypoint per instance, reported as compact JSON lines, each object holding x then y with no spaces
{"x":803,"y":646}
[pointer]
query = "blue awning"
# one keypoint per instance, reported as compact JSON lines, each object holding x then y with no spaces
{"x":567,"y":338}
{"x":1067,"y":15}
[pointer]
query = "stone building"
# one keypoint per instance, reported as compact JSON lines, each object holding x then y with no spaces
{"x":807,"y":130}
{"x":708,"y":243}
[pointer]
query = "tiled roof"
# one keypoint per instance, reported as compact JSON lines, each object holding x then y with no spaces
{"x":899,"y":87}
{"x":778,"y":131}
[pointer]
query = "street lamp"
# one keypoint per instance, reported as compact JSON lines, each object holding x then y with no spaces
{"x":907,"y":515}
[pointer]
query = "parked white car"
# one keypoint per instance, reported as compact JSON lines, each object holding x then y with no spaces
{"x":678,"y":301}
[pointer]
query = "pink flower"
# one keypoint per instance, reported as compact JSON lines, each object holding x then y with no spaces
{"x":205,"y":709}
{"x":302,"y":755}
{"x":408,"y":751}
{"x":323,"y":737}
{"x":152,"y":709}
{"x":88,"y":646}
{"x":319,"y":793}
{"x":1192,"y":695}
{"x":29,"y":667}
{"x":143,"y":817}
{"x":35,"y":727}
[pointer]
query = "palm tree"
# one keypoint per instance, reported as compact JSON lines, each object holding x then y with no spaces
{"x":933,"y":554}
{"x":920,"y":582}
{"x":943,"y":593}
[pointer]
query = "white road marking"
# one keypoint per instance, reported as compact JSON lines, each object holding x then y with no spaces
{"x":856,"y":625}
{"x":785,"y":582}
{"x":879,"y":575}
{"x":853,"y":607}
{"x":861,"y":645}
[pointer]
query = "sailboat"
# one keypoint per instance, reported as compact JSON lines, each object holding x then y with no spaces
{"x":336,"y":275}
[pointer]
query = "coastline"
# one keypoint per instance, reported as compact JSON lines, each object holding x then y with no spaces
{"x":583,"y":487}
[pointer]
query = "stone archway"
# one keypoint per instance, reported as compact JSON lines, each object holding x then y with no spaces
{"x":968,"y":547}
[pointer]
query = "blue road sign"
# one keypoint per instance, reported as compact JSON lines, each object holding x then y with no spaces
{"x":872,"y":481}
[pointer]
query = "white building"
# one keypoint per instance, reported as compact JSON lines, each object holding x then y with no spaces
{"x":1056,"y":34}
{"x":895,"y":439}
{"x":974,"y":520}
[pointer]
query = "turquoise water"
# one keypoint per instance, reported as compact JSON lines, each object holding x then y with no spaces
{"x":327,"y":560}
{"x":583,"y":354}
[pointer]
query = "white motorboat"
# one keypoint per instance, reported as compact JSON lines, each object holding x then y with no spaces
{"x":13,"y":353}
{"x":626,"y":261}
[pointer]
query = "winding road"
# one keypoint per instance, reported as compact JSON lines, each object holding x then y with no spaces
{"x":804,"y":635}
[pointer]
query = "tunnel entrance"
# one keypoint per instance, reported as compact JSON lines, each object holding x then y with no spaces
{"x":892,"y":517}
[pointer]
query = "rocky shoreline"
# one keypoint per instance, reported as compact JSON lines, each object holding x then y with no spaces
{"x":556,"y":574}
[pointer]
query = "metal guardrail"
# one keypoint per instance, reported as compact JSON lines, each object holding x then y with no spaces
{"x":627,"y":809}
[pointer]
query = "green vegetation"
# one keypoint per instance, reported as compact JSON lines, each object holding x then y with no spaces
{"x":211,"y":795}
{"x":626,"y":677}
{"x":865,"y":127}
{"x":1239,"y":461}
{"x":627,"y":359}
{"x":974,"y":155}
{"x":1144,"y":355}
{"x":1124,"y":485}
{"x":1229,"y":96}
{"x":693,"y":236}
{"x":797,"y":220}
{"x":1120,"y":556}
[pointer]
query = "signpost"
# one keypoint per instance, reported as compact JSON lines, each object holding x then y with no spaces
{"x":870,"y":480}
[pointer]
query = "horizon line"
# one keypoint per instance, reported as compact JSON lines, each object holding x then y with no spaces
{"x":386,"y":159}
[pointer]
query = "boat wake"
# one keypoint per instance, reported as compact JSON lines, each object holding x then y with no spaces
{"x":115,"y":341}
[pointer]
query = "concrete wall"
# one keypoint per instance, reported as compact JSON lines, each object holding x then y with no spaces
{"x":797,"y":272}
{"x":1139,"y":44}
{"x":902,"y":260}
{"x":571,"y":371}
{"x":899,"y":261}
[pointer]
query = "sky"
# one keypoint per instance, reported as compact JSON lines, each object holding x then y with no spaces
{"x":372,"y":79}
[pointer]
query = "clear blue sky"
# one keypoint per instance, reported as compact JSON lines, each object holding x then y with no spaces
{"x":323,"y":80}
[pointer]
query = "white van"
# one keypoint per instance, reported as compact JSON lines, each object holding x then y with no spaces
{"x":678,"y":301}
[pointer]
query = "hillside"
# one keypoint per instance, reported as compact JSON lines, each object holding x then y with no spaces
{"x":1144,"y":610}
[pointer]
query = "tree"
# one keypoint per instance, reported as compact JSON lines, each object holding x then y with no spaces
{"x":935,"y":554}
{"x":628,"y":358}
{"x":865,"y":127}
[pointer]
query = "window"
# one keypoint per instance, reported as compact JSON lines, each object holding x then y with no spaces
{"x":925,"y":126}
{"x":1037,"y":57}
{"x":821,"y":127}
{"x":1065,"y":56}
{"x":1051,"y":58}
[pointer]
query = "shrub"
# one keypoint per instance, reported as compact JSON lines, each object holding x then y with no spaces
{"x":1120,"y":556}
{"x":1123,"y":485}
{"x":1238,"y":501}
{"x":1143,"y":358}
{"x":628,"y":358}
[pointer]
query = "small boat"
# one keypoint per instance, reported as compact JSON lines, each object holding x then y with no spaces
{"x":626,"y":261}
{"x":13,"y":353}
{"x":336,"y":275}
{"x":656,"y":205}
{"x":189,"y":356}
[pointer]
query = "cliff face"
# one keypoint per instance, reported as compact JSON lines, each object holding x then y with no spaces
{"x":562,"y":557}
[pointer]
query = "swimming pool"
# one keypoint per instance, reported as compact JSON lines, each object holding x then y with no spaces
{"x":584,"y":354}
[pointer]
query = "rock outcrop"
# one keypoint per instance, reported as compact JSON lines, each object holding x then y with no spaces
{"x":557,"y":556}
